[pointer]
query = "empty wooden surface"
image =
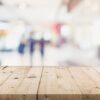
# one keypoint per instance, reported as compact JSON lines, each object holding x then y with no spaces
{"x":49,"y":83}
{"x":19,"y":83}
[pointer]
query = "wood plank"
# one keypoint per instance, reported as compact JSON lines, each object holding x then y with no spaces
{"x":14,"y":80}
{"x":8,"y":88}
{"x":5,"y":73}
{"x":30,"y":84}
{"x":97,"y":69}
{"x":17,"y":97}
{"x":72,"y":83}
{"x":57,"y":84}
{"x":85,"y":83}
{"x":95,"y":77}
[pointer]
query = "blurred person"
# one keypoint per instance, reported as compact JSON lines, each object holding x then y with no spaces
{"x":21,"y":47}
{"x":42,"y":47}
{"x":31,"y":42}
{"x":22,"y":44}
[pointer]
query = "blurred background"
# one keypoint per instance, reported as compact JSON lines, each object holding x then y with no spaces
{"x":50,"y":32}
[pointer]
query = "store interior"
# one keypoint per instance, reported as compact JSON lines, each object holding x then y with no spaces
{"x":69,"y":31}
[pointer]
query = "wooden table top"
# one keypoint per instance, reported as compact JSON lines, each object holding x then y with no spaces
{"x":49,"y":83}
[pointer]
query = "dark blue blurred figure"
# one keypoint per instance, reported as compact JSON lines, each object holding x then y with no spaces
{"x":21,"y":48}
{"x":31,"y":46}
{"x":22,"y":44}
{"x":42,"y":47}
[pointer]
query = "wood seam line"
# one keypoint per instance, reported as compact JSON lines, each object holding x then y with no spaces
{"x":4,"y":67}
{"x":1,"y":68}
{"x":76,"y":83}
{"x":39,"y":82}
{"x":6,"y":78}
{"x":89,"y":76}
{"x":96,"y":70}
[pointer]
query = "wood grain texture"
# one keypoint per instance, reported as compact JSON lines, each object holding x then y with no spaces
{"x":85,"y":80}
{"x":22,"y":84}
{"x":49,"y":83}
{"x":57,"y":84}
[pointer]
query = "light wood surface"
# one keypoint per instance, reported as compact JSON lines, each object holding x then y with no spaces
{"x":49,"y":83}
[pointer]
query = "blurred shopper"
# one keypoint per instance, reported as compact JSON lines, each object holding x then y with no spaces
{"x":21,"y":48}
{"x":42,"y":47}
{"x":31,"y":46}
{"x":22,"y":44}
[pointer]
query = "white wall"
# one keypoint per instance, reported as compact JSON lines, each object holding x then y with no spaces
{"x":84,"y":20}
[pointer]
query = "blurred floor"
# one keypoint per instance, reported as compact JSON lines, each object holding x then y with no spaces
{"x":14,"y":59}
{"x":66,"y":55}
